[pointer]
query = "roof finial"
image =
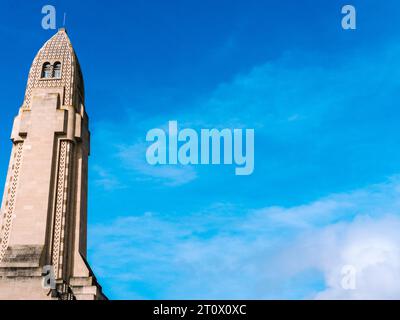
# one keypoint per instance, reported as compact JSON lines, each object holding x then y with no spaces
{"x":64,"y":21}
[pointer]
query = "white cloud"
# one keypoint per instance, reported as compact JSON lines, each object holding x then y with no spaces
{"x":295,"y":252}
{"x":371,"y":246}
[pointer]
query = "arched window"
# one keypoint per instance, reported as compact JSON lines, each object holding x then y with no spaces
{"x":46,"y":70}
{"x":57,"y":70}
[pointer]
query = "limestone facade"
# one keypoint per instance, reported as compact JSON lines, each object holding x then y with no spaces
{"x":44,"y":210}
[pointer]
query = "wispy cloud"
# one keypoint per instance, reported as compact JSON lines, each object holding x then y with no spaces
{"x":134,"y":158}
{"x":225,"y":252}
{"x":106,"y":180}
{"x":315,"y":124}
{"x":298,"y":104}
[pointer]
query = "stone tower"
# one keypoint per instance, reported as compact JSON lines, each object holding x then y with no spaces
{"x":44,"y":210}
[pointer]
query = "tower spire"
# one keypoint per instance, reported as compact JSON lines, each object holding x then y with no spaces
{"x":44,"y":208}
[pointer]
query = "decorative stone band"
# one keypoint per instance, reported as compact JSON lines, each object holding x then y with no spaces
{"x":9,"y":205}
{"x":61,"y":206}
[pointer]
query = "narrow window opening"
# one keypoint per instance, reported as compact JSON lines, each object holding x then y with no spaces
{"x":46,"y":70}
{"x":57,"y":70}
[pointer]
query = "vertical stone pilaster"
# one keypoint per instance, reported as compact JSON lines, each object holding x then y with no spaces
{"x":10,"y":197}
{"x":61,"y":207}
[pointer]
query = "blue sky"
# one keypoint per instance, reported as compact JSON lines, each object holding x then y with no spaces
{"x":324,"y":106}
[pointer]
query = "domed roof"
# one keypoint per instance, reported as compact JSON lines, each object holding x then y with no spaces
{"x":57,"y":49}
